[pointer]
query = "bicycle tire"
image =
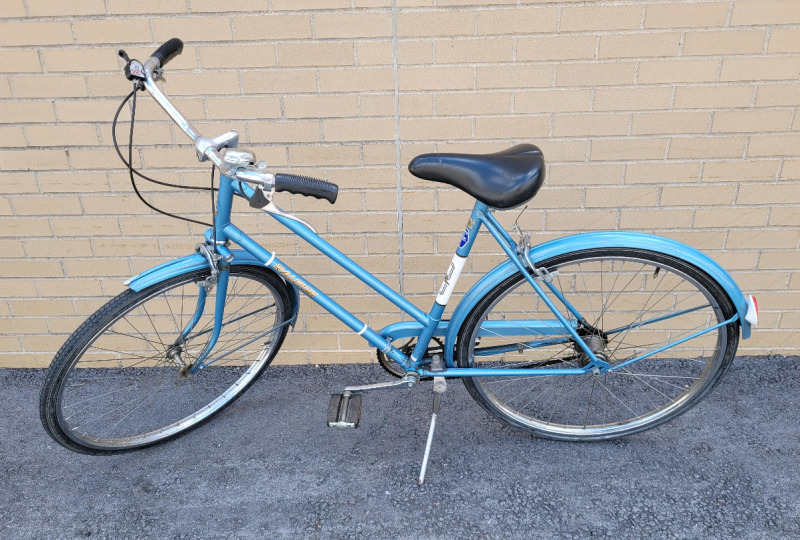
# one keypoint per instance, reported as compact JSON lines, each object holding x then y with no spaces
{"x":117,"y":383}
{"x":681,"y":299}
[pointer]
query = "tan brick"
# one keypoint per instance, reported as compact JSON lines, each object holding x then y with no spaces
{"x":324,"y":155}
{"x":46,"y":205}
{"x":655,"y":219}
{"x":591,"y":18}
{"x":697,"y":195}
{"x":99,"y":159}
{"x":670,"y":122}
{"x":32,"y":160}
{"x":779,"y":260}
{"x":60,"y":182}
{"x":285,"y":132}
{"x":621,"y":197}
{"x":272,"y":27}
{"x":36,"y":33}
{"x":26,"y":227}
{"x":784,"y":216}
{"x":564,"y":47}
{"x":432,"y":24}
{"x":12,"y":248}
{"x":713,"y":97}
{"x":353,"y":25}
{"x":12,"y":136}
{"x":192,"y":28}
{"x":546,"y":101}
{"x":27,"y":325}
{"x":760,"y":69}
{"x":5,"y":88}
{"x":279,"y":82}
{"x":58,"y":248}
{"x":730,"y":217}
{"x":17,"y":183}
{"x":246,"y":55}
{"x":738,"y":171}
{"x":374,"y":53}
{"x":12,"y":9}
{"x":9,"y":344}
{"x":18,"y":288}
{"x":681,"y":14}
{"x":789,"y":321}
{"x":517,"y":21}
{"x":356,"y":80}
{"x":43,"y":86}
{"x":316,"y":54}
{"x":414,"y":52}
{"x":5,"y":206}
{"x":363,"y":129}
{"x":706,"y":147}
{"x":776,"y":95}
{"x":93,"y":267}
{"x":188,"y":84}
{"x":59,"y":60}
{"x":121,"y":7}
{"x":286,"y":5}
{"x":767,"y":194}
{"x":378,"y":154}
{"x":243,"y":108}
{"x":750,"y":121}
{"x":20,"y":61}
{"x":595,"y":74}
{"x":320,"y":106}
{"x":639,"y":45}
{"x":474,"y":50}
{"x":62,"y":135}
{"x":473,"y":104}
{"x":88,"y":226}
{"x":145,"y":134}
{"x":30,"y":268}
{"x":677,"y":71}
{"x":765,"y":12}
{"x":632,"y":99}
{"x":628,"y":149}
{"x":582,"y":220}
{"x":724,"y":42}
{"x":773,"y":145}
{"x":762,"y":239}
{"x":383,"y":104}
{"x":436,"y":78}
{"x":590,"y":124}
{"x":585,"y":174}
{"x":661,"y":173}
{"x":436,"y":129}
{"x":512,"y":127}
{"x":112,"y":31}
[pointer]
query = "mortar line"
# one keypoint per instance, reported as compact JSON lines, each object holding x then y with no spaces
{"x":397,"y":147}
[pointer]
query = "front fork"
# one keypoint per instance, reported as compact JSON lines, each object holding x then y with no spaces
{"x":219,"y":262}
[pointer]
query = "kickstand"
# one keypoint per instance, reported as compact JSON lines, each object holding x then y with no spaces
{"x":439,"y":386}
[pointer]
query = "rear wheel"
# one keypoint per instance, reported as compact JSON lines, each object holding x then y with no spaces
{"x":634,"y":302}
{"x":122,"y":381}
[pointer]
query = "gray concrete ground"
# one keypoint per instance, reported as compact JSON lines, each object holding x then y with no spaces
{"x":269,"y":468}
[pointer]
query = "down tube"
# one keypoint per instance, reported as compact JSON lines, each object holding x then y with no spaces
{"x":271,"y":261}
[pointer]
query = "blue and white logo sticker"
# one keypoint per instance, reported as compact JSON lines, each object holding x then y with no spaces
{"x":464,"y":239}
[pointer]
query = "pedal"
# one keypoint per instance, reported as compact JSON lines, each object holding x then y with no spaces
{"x":344,"y":410}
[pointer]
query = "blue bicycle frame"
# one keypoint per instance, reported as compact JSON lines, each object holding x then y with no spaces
{"x":424,"y":326}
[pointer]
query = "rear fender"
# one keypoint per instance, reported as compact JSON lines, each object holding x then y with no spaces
{"x":579,"y":242}
{"x":196,"y":261}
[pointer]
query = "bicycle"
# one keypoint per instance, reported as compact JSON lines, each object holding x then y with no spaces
{"x":587,"y":337}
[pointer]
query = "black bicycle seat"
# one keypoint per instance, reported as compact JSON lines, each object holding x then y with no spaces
{"x":501,"y":180}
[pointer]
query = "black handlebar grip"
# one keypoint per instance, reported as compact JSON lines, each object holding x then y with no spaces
{"x":304,"y":185}
{"x":168,"y":51}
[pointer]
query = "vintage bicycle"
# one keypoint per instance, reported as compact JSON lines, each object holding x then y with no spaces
{"x":588,"y":337}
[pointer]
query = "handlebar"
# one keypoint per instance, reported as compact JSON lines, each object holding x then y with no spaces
{"x":209,"y":148}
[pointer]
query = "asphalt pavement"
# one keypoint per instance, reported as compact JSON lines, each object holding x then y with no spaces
{"x":268,"y":467}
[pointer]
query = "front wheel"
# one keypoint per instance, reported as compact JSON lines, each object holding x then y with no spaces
{"x":122,"y":380}
{"x":632,"y":303}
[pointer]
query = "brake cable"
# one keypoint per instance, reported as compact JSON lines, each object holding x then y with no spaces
{"x":132,"y":170}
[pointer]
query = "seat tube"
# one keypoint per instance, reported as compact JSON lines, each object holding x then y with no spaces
{"x":448,"y":285}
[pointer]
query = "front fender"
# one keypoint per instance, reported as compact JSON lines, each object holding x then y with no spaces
{"x":196,"y":261}
{"x":583,"y":241}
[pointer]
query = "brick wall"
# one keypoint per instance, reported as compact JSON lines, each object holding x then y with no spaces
{"x":672,"y":117}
